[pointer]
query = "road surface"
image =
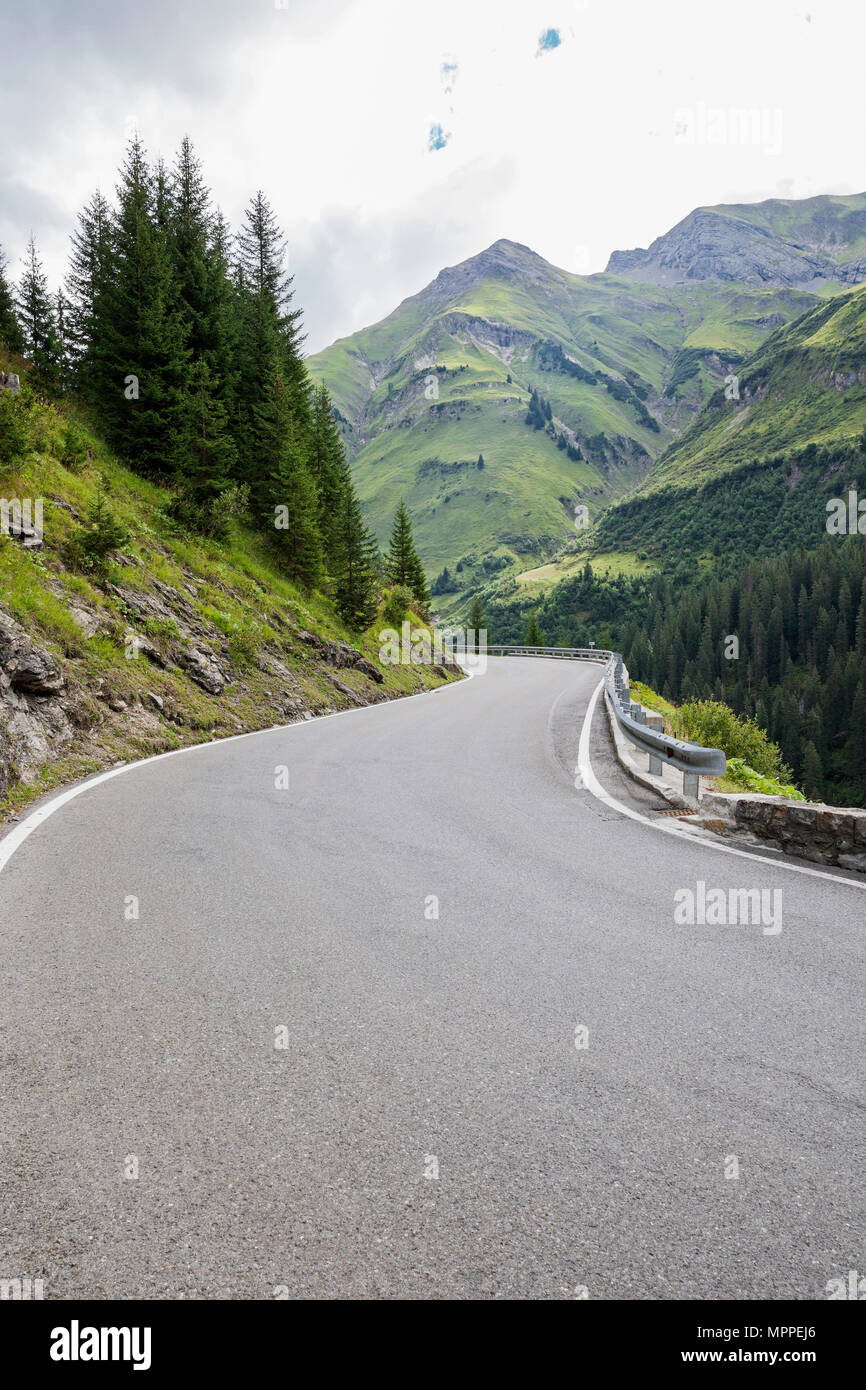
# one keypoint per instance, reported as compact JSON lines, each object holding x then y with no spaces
{"x":343,"y":1046}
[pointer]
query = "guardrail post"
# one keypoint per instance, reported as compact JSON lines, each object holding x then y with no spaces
{"x":692,"y":785}
{"x":655,"y":764}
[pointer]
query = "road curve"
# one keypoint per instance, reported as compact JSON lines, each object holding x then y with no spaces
{"x":339,"y":1048}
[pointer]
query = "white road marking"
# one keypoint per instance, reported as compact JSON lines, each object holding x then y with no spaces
{"x":13,"y":841}
{"x":592,"y":784}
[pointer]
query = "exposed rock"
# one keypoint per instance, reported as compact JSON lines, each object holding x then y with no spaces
{"x":714,"y":245}
{"x":33,"y":714}
{"x":340,"y":654}
{"x":347,"y":691}
{"x":201,"y":666}
{"x":9,"y":381}
{"x":87,"y":620}
{"x":145,"y":647}
{"x":28,"y":667}
{"x":157,"y":700}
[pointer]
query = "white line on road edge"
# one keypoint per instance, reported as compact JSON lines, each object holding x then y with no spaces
{"x":592,"y":784}
{"x":12,"y":842}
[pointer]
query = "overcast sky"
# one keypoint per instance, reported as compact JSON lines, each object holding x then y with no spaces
{"x":395,"y":137}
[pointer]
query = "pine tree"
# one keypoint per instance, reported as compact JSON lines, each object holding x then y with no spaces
{"x":327,"y":466}
{"x":295,"y":504}
{"x":63,"y":339}
{"x":140,"y":361}
{"x":199,"y":254}
{"x":269,"y":337}
{"x":207,"y":458}
{"x":356,"y":564}
{"x":90,"y":266}
{"x":477,"y":624}
{"x":857,"y":737}
{"x":813,"y":773}
{"x":36,"y":317}
{"x":10,"y":330}
{"x":533,"y":635}
{"x":402,"y":563}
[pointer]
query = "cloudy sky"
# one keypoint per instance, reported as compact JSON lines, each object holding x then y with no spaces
{"x":394,"y":137}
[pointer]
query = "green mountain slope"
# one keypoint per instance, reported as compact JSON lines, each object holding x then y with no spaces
{"x":447,"y":377}
{"x":174,"y":639}
{"x":752,"y":476}
{"x":804,"y":385}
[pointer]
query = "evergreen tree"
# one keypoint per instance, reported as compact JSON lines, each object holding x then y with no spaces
{"x":477,"y":623}
{"x":533,"y":634}
{"x":207,"y":459}
{"x":813,"y":773}
{"x":64,"y":340}
{"x":199,"y":246}
{"x":90,"y":267}
{"x":402,"y":563}
{"x":295,"y":504}
{"x":36,"y":317}
{"x":356,"y":564}
{"x":857,"y":738}
{"x":140,"y":361}
{"x":10,"y":330}
{"x":328,"y":469}
{"x":269,"y":338}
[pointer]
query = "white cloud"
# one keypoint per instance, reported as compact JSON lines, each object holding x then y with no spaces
{"x":329,"y":108}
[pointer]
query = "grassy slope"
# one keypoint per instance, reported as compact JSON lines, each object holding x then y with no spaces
{"x":519,"y":510}
{"x":244,"y":609}
{"x":795,"y":390}
{"x":798,"y":393}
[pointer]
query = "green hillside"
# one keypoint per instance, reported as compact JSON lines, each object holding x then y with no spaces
{"x":752,"y":476}
{"x":448,"y":376}
{"x":804,"y":385}
{"x":167,"y":639}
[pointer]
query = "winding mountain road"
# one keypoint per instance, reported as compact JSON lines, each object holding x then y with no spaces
{"x":341,"y":1043}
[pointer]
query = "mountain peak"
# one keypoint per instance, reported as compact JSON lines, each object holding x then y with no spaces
{"x":503,"y":260}
{"x":783,"y":243}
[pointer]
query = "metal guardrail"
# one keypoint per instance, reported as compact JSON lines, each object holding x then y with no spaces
{"x":691,"y":759}
{"x":573,"y":653}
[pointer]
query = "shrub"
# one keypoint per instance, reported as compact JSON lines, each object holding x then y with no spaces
{"x":13,"y":436}
{"x":73,"y":450}
{"x":397,"y":604}
{"x":747,"y":777}
{"x":90,"y":546}
{"x":715,"y":725}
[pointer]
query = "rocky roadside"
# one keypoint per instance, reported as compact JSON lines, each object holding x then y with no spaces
{"x":67,"y":710}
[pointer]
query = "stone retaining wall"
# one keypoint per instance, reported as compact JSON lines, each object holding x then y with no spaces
{"x":821,"y":834}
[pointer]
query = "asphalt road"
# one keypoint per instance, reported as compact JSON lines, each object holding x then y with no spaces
{"x":413,"y":1044}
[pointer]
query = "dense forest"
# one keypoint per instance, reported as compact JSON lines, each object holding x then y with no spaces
{"x":763,"y":508}
{"x":182,"y":342}
{"x":783,"y":640}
